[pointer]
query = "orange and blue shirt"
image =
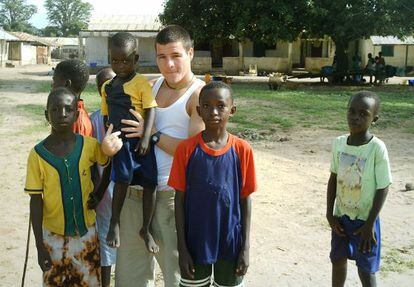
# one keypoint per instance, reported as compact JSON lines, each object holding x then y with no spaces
{"x":65,"y":184}
{"x":214,"y":181}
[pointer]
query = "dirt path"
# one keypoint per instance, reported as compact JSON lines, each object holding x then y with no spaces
{"x":290,"y":237}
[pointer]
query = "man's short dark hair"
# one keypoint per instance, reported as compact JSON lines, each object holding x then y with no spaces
{"x":74,"y":70}
{"x":124,"y":40}
{"x":174,"y":33}
{"x":368,"y":94}
{"x":57,"y":92}
{"x":215,"y":85}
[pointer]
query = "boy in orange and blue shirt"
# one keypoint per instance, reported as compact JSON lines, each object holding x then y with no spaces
{"x":213,"y":174}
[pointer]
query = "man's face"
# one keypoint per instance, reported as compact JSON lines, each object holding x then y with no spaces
{"x":174,"y":62}
{"x":62,"y":112}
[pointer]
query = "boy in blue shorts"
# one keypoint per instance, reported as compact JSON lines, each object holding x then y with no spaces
{"x":213,"y":174}
{"x":59,"y":183}
{"x":357,"y":189}
{"x":135,"y":163}
{"x":102,"y":199}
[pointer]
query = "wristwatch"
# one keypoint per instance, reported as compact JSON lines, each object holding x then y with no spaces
{"x":155,"y":138}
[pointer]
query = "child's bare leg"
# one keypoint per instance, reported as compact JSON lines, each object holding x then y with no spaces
{"x":112,"y":238}
{"x":367,"y":279}
{"x":148,"y":206}
{"x":339,"y":269}
{"x":106,"y":276}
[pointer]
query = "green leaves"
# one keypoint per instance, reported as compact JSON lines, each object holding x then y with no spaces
{"x":14,"y":15}
{"x":68,"y":16}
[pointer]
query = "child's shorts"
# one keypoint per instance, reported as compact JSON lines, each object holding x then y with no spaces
{"x":129,"y":167}
{"x":75,"y":260}
{"x":347,"y":247}
{"x":224,"y":275}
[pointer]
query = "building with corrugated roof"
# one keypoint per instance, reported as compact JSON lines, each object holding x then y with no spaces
{"x":101,"y":28}
{"x":5,"y":39}
{"x":29,"y":49}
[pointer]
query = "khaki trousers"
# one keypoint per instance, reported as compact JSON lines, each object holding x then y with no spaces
{"x":135,"y":265}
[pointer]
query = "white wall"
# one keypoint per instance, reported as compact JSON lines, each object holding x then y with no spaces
{"x":3,"y":52}
{"x":96,"y":51}
{"x":28,"y":54}
{"x":146,"y":51}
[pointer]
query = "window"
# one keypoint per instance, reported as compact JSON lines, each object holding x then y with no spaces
{"x":387,"y":50}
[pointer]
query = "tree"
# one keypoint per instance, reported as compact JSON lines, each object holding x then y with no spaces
{"x":217,"y":20}
{"x":14,"y":15}
{"x":348,"y":20}
{"x":68,"y":16}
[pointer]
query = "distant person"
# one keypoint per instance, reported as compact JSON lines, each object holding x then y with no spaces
{"x":103,"y":198}
{"x":59,"y":182}
{"x":213,"y":211}
{"x":357,"y":189}
{"x":74,"y":75}
{"x":135,"y":163}
{"x":379,"y":69}
{"x":370,"y":67}
{"x":356,"y":67}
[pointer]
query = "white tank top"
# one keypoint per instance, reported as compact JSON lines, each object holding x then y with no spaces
{"x":173,"y":121}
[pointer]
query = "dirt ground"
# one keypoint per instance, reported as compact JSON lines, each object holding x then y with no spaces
{"x":290,"y":238}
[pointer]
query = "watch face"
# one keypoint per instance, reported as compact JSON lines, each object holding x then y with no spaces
{"x":154,"y":139}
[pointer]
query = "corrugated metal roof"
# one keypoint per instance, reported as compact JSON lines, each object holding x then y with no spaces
{"x":7,"y":36}
{"x":124,"y":23}
{"x":25,"y":37}
{"x":61,"y":41}
{"x":391,"y":40}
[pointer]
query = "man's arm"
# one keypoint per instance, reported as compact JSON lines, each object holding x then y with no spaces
{"x":36,"y":213}
{"x":169,"y":144}
{"x":184,"y":258}
{"x":243,"y":258}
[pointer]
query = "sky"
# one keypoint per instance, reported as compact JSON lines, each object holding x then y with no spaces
{"x":103,"y":7}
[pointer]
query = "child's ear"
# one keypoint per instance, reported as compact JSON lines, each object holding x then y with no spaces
{"x":47,"y":115}
{"x":375,"y":119}
{"x":68,"y":83}
{"x":233,"y":110}
{"x":136,"y":58}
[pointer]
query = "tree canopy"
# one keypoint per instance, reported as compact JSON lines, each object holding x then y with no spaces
{"x":67,"y":17}
{"x":15,"y":14}
{"x":217,"y":20}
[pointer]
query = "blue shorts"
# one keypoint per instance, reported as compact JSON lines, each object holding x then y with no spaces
{"x":129,"y":167}
{"x":347,"y":247}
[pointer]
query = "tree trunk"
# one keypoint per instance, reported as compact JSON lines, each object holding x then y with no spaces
{"x":340,"y":61}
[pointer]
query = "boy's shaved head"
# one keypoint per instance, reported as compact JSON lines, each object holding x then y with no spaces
{"x":367,"y":94}
{"x":74,"y":70}
{"x":215,"y":85}
{"x":124,"y":40}
{"x":57,"y":92}
{"x":172,"y":34}
{"x":104,"y":74}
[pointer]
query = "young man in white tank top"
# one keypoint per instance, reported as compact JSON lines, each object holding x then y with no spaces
{"x":176,"y":94}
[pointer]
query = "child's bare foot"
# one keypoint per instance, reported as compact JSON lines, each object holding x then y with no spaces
{"x":149,"y":241}
{"x":112,"y":238}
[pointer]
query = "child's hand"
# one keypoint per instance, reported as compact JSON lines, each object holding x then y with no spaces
{"x":93,"y":200}
{"x":242,"y":262}
{"x":335,"y":225}
{"x":186,"y":264}
{"x":367,"y":234}
{"x":43,"y":258}
{"x":143,"y":146}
